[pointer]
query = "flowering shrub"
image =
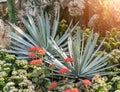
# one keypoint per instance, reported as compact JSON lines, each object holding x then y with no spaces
{"x":69,"y":59}
{"x":63,"y":70}
{"x":20,"y":76}
{"x":52,"y":86}
{"x":86,"y":83}
{"x":72,"y":90}
{"x":36,"y":50}
{"x":112,"y":40}
{"x":99,"y":84}
{"x":14,"y":75}
{"x":36,"y":62}
{"x":114,"y":84}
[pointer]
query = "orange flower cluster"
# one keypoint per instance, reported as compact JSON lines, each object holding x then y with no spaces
{"x":36,"y":62}
{"x":64,"y":70}
{"x":72,"y":90}
{"x":69,"y":59}
{"x":86,"y":83}
{"x":38,"y":50}
{"x":52,"y":86}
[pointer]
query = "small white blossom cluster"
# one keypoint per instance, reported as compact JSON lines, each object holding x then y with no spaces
{"x":117,"y":90}
{"x":19,"y":78}
{"x":14,"y":75}
{"x":32,"y":6}
{"x":76,"y":7}
{"x":10,"y":87}
{"x":115,"y":78}
{"x":93,"y":19}
{"x":115,"y":54}
{"x":99,"y":82}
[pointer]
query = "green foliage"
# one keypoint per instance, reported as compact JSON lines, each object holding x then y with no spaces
{"x":11,"y":10}
{"x":62,"y":27}
{"x":112,"y":43}
{"x":112,"y":40}
{"x":114,"y":83}
{"x":18,"y":75}
{"x":99,"y":84}
{"x":39,"y":78}
{"x":14,"y":75}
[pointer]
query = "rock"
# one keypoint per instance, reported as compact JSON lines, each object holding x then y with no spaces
{"x":3,"y":35}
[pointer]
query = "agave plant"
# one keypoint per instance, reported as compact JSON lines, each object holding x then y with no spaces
{"x":86,"y":64}
{"x":58,"y":48}
{"x":37,"y":35}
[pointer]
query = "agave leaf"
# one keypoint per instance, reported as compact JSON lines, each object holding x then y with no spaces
{"x":32,"y":24}
{"x":57,"y":63}
{"x":42,"y":30}
{"x":55,"y":46}
{"x":47,"y":28}
{"x":70,"y":46}
{"x":77,"y":49}
{"x":15,"y":52}
{"x":55,"y":25}
{"x":19,"y":39}
{"x":92,"y":62}
{"x":29,"y":29}
{"x":105,"y":68}
{"x":66,"y":34}
{"x":18,"y":45}
{"x":102,"y":59}
{"x":23,"y":57}
{"x":95,"y":52}
{"x":93,"y":69}
{"x":22,"y":33}
{"x":90,"y":51}
{"x":107,"y":73}
{"x":17,"y":48}
{"x":87,"y":45}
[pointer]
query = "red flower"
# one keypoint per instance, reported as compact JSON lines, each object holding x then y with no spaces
{"x":36,"y":62}
{"x":63,"y":70}
{"x":69,"y":59}
{"x":37,"y":49}
{"x":52,"y":86}
{"x":86,"y":82}
{"x":72,"y":90}
{"x":32,"y":55}
{"x":68,"y":90}
{"x":41,"y":52}
{"x":32,"y":49}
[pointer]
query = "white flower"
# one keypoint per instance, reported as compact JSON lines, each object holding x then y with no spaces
{"x":117,"y":90}
{"x":10,"y":84}
{"x":92,"y":20}
{"x":76,"y":7}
